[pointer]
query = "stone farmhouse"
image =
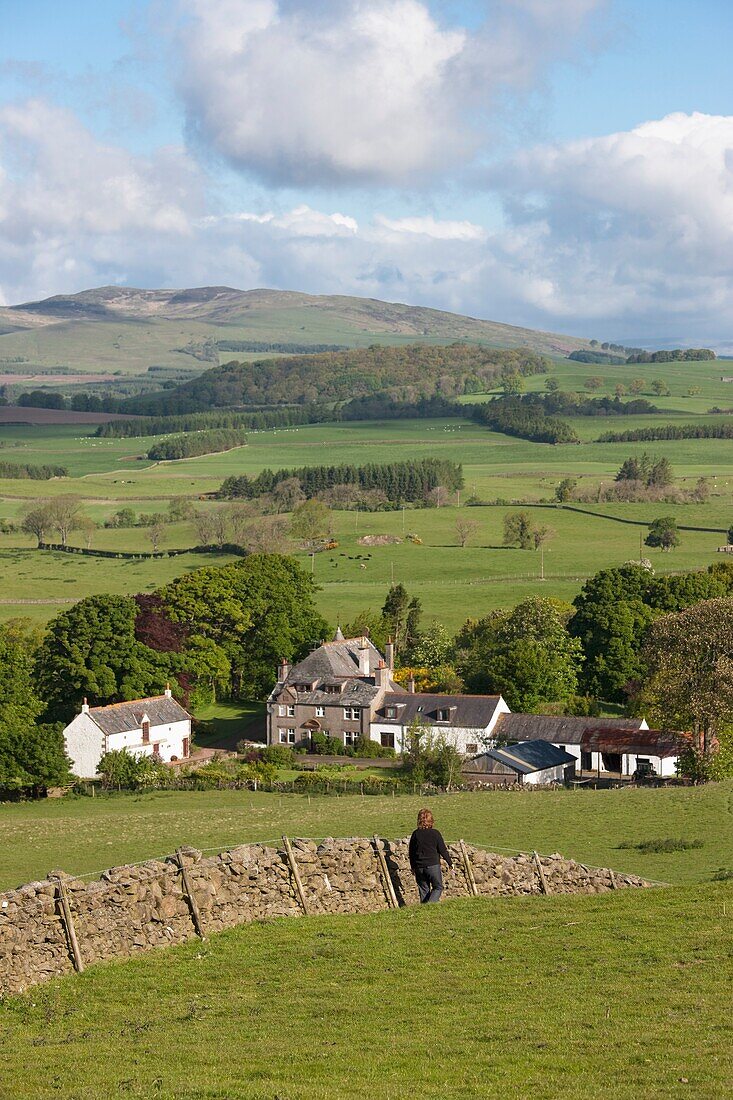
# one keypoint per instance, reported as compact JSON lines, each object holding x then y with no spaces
{"x":345,"y":689}
{"x":158,"y":725}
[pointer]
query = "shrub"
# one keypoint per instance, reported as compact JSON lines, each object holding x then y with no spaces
{"x":665,"y":844}
{"x":371,"y":750}
{"x":281,"y":755}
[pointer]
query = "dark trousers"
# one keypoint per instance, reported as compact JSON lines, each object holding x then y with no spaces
{"x":429,"y":883}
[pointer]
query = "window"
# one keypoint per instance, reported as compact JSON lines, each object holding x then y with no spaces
{"x":320,"y":712}
{"x":287,"y":737}
{"x":387,"y":740}
{"x":281,"y":711}
{"x":350,"y":737}
{"x":443,"y":714}
{"x":390,"y":712}
{"x":146,"y":733}
{"x":291,"y":710}
{"x":471,"y":749}
{"x":186,"y":746}
{"x":352,"y":714}
{"x":156,"y":748}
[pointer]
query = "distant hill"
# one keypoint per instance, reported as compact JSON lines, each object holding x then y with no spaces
{"x":130,"y":330}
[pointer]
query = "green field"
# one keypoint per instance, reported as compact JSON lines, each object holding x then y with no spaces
{"x":622,"y":995}
{"x":585,"y":825}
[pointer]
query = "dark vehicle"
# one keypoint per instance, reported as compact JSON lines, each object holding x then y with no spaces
{"x":645,"y":772}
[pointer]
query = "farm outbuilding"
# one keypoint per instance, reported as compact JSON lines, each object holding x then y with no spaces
{"x":532,"y":762}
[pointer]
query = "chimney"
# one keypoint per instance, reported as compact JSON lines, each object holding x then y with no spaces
{"x":168,"y":692}
{"x":382,"y":675}
{"x":283,"y":670}
{"x":411,"y":685}
{"x":85,"y":706}
{"x":364,"y":663}
{"x":389,"y":653}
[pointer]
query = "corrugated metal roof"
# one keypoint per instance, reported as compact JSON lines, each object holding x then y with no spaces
{"x":464,"y":711}
{"x":640,"y":742}
{"x":559,"y":729}
{"x":530,"y":756}
{"x":123,"y":717}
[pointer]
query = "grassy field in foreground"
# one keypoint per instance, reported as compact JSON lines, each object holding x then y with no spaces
{"x":623,"y":996}
{"x":587,"y":825}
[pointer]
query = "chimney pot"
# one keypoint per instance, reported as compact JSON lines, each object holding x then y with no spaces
{"x":168,"y":692}
{"x":85,"y":706}
{"x":411,"y":685}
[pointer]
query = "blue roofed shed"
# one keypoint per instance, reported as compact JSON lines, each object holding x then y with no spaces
{"x":535,"y":762}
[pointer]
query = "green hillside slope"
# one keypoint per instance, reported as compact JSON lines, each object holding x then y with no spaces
{"x":125,"y":329}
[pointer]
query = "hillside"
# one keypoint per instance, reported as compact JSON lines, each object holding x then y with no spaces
{"x":406,"y":373}
{"x":126,"y":329}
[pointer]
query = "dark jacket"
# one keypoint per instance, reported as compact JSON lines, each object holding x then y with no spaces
{"x":426,"y":848}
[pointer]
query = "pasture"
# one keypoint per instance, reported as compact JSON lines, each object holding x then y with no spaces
{"x":451,"y":581}
{"x":572,"y":996}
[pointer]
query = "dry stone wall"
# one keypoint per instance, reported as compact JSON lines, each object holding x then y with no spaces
{"x":63,"y":923}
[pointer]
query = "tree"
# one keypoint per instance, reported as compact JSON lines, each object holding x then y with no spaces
{"x":91,"y":650}
{"x":402,"y":616}
{"x":542,"y":535}
{"x":204,"y":528}
{"x":287,"y":494}
{"x":433,"y":648}
{"x":660,"y":388}
{"x":465,"y":530}
{"x":180,"y":509}
{"x":518,"y":529}
{"x":31,"y":754}
{"x":552,"y":385}
{"x":636,"y":386}
{"x":369,"y":624}
{"x":593,"y":383}
{"x":730,"y":535}
{"x":38,"y":521}
{"x":156,"y":533}
{"x":438,"y":497}
{"x":66,"y":516}
{"x":525,"y":654}
{"x":512,"y":383}
{"x":311,"y":523}
{"x":619,"y":389}
{"x":688,"y":658}
{"x":564,"y":491}
{"x":663,"y":533}
{"x":259,"y":610}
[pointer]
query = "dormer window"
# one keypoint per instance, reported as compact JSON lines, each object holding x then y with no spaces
{"x":443,"y":714}
{"x":390,"y":712}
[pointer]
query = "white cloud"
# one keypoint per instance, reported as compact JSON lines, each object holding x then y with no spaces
{"x":633,"y":228}
{"x":358,"y":91}
{"x":431,"y":227}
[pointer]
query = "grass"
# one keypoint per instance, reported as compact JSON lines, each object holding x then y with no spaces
{"x":592,"y":826}
{"x":224,"y":724}
{"x":619,"y":996}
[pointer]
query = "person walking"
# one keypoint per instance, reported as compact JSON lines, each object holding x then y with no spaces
{"x":426,"y":848}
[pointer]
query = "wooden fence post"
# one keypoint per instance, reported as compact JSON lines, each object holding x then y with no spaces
{"x":190,"y":896}
{"x":296,"y":876}
{"x":541,"y":872}
{"x":613,"y":879}
{"x":68,"y":922}
{"x":386,"y":877}
{"x":468,"y":869}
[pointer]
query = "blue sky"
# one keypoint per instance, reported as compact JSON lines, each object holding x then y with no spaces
{"x":564,"y":164}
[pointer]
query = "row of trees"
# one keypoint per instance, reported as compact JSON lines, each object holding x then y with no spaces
{"x":399,"y":481}
{"x":525,"y":419}
{"x":191,"y":444}
{"x":669,"y":431}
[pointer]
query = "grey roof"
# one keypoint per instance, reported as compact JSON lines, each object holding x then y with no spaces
{"x":355,"y":692}
{"x":334,"y":660}
{"x":123,"y":717}
{"x":465,"y":711}
{"x":559,"y":729}
{"x":528,"y":756}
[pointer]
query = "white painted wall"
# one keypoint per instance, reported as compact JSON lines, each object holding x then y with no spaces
{"x":458,"y":736}
{"x":547,"y":775}
{"x":84,"y":743}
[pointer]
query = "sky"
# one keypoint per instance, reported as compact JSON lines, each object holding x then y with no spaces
{"x":560,"y":164}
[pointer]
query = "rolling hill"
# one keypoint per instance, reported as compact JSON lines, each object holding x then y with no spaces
{"x":128,"y":330}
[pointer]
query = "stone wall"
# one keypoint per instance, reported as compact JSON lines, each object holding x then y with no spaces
{"x":135,"y":908}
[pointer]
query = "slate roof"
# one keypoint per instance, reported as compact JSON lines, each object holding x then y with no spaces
{"x":333,"y":660}
{"x":124,"y":717}
{"x":560,"y":729}
{"x":355,"y":693}
{"x":641,"y":742}
{"x":526,"y":757}
{"x":466,"y":711}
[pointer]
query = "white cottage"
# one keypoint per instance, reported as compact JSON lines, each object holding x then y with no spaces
{"x":158,"y":725}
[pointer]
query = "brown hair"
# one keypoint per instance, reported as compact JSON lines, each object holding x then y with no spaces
{"x":424,"y":819}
